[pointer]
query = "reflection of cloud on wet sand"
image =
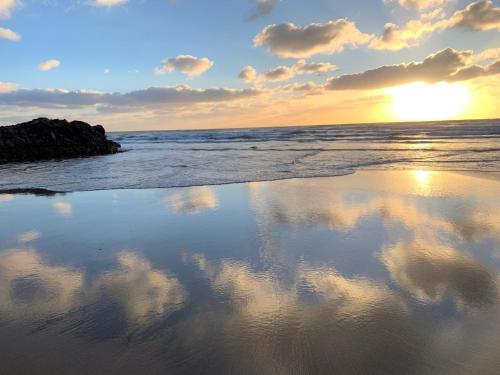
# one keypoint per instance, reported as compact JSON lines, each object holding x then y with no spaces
{"x":254,"y":295}
{"x":63,"y":208}
{"x":298,"y":204}
{"x":475,"y":222}
{"x":471,"y":212}
{"x":31,"y":288}
{"x":29,"y":236}
{"x":142,"y":291}
{"x":193,"y":200}
{"x":353,"y":297}
{"x":348,"y":327}
{"x":6,"y":197}
{"x":430,"y":271}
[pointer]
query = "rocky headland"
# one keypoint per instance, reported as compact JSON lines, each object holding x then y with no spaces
{"x":43,"y":139}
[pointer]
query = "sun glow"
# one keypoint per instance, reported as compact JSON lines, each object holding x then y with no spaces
{"x":422,"y":177}
{"x":422,"y":101}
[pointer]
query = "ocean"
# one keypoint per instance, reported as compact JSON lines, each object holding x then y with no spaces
{"x":206,"y":157}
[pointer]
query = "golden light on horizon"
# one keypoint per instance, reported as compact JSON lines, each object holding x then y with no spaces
{"x":421,"y":101}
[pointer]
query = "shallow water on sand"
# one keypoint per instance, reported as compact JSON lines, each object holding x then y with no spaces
{"x":371,"y":273}
{"x":188,"y":158}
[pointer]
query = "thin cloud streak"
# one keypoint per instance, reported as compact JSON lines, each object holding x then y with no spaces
{"x":9,"y":34}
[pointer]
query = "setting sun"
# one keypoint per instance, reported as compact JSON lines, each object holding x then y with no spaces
{"x":422,"y":101}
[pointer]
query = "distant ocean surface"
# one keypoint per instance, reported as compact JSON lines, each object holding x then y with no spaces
{"x":187,"y":158}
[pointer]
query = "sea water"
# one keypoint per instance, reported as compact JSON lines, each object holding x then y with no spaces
{"x":206,"y":157}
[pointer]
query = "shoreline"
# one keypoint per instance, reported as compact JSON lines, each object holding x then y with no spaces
{"x":40,"y":191}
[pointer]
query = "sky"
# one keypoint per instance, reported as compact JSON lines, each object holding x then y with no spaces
{"x":190,"y":64}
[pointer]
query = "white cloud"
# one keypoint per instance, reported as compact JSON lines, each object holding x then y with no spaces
{"x":395,"y":38}
{"x":9,"y":34}
{"x":280,"y":73}
{"x":285,"y":73}
{"x":48,"y":65}
{"x":488,"y":54}
{"x":108,"y":3}
{"x":248,"y":74}
{"x":308,"y":88}
{"x":421,"y":4}
{"x":441,"y":66}
{"x":190,"y":65}
{"x":478,"y":16}
{"x":150,"y":97}
{"x":7,"y":6}
{"x":303,"y":67}
{"x":290,"y":40}
{"x":7,"y":86}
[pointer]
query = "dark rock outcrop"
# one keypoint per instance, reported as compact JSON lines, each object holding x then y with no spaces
{"x":53,"y":139}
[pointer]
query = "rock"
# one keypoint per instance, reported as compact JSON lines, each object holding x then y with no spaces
{"x":53,"y":139}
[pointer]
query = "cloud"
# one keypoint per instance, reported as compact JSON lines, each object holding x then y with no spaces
{"x":488,"y":54}
{"x":48,"y":65}
{"x":108,"y":3}
{"x":248,"y":74}
{"x":431,"y":271}
{"x":30,"y":236}
{"x":193,"y":200}
{"x":9,"y":34}
{"x":141,"y":290}
{"x":284,"y":73}
{"x":306,"y":88}
{"x":477,"y":16}
{"x":303,"y":67}
{"x":190,"y":65}
{"x":395,"y":38}
{"x":150,"y":97}
{"x":281,"y":73}
{"x":7,"y":6}
{"x":421,"y":4}
{"x":262,"y":8}
{"x":290,"y":40}
{"x":7,"y":86}
{"x":445,"y":65}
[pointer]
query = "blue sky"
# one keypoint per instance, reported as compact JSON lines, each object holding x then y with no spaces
{"x":117,"y":48}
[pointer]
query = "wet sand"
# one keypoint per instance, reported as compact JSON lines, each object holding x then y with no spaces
{"x":371,"y":273}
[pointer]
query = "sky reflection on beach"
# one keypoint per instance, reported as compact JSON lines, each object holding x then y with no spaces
{"x":372,"y":273}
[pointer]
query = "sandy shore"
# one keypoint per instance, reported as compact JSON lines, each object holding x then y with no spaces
{"x":371,"y":273}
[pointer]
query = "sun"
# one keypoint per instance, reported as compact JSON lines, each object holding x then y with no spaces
{"x":421,"y":101}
